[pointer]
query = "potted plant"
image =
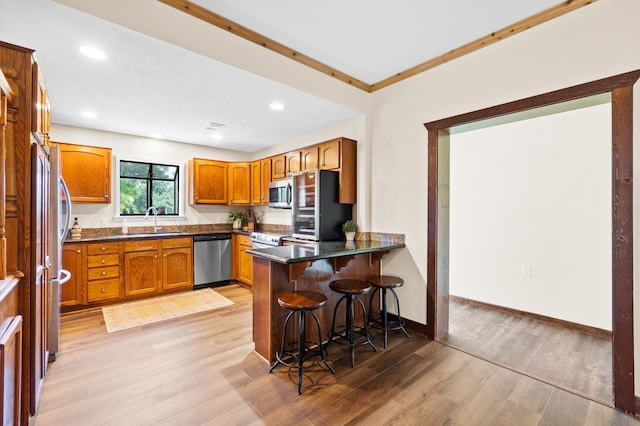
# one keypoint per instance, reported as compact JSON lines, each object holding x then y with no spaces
{"x":350,"y":228}
{"x":237,"y":218}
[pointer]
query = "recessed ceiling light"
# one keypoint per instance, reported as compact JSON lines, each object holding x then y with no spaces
{"x":88,"y":114}
{"x":216,"y":137}
{"x":93,"y":52}
{"x":277,"y":106}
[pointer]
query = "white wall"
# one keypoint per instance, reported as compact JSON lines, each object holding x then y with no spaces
{"x":530,"y":215}
{"x":593,"y":42}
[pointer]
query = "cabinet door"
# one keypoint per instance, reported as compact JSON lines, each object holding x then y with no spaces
{"x":245,"y":272}
{"x":87,"y":172}
{"x":10,"y":371}
{"x":141,"y":272}
{"x":40,"y":109}
{"x":239,"y":183}
{"x":71,"y":291}
{"x":177,"y":268}
{"x":278,"y":167}
{"x":256,"y":183}
{"x":266,"y":179}
{"x":309,"y":158}
{"x":293,"y":162}
{"x":207,"y":181}
{"x":329,"y":155}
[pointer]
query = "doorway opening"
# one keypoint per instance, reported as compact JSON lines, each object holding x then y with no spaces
{"x":620,"y":88}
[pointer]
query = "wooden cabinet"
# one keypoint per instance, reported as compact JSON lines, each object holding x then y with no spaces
{"x":329,"y":154}
{"x":103,"y":271}
{"x":71,"y":291}
{"x":278,"y":167}
{"x":309,"y":158}
{"x":87,"y":172}
{"x":10,"y":370}
{"x":177,"y":263}
{"x":40,"y":108}
{"x":207,"y":181}
{"x":292,"y":161}
{"x":141,"y":267}
{"x":260,"y":178}
{"x":242,"y":261}
{"x":239,"y":183}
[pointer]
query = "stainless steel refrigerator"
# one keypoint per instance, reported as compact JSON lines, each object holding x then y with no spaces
{"x":60,"y":217}
{"x":316,"y":213}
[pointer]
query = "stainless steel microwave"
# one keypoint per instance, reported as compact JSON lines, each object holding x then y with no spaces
{"x":280,"y":194}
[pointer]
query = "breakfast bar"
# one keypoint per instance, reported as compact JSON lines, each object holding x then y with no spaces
{"x":277,"y":270}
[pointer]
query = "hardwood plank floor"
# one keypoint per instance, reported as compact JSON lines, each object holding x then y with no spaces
{"x":574,"y":360}
{"x":201,"y":370}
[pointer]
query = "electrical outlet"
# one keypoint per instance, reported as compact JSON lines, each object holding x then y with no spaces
{"x":103,"y":222}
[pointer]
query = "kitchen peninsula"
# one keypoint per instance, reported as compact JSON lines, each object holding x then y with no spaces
{"x":306,"y":267}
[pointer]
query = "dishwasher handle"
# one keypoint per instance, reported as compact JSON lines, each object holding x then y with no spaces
{"x":212,"y":237}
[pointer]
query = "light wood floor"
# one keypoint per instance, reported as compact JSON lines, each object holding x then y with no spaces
{"x":202,"y":370}
{"x":573,"y":360}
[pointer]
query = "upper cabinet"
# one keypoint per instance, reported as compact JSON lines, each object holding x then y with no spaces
{"x":87,"y":172}
{"x":239,"y":183}
{"x":40,"y":109}
{"x":207,"y":181}
{"x":260,"y":178}
{"x":293,"y":163}
{"x":329,"y":154}
{"x":278,"y":167}
{"x":309,"y":158}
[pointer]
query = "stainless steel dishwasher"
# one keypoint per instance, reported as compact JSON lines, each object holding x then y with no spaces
{"x":211,"y":260}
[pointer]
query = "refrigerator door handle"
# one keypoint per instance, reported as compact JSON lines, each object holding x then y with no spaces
{"x":67,"y":198}
{"x":65,"y":276}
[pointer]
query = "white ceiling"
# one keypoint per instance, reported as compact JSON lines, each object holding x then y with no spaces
{"x":150,"y":86}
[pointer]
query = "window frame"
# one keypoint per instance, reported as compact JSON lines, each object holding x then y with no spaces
{"x":180,"y":176}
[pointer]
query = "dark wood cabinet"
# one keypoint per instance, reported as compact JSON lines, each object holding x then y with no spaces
{"x":71,"y":291}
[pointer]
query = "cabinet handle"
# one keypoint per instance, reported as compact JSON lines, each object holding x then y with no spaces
{"x":79,"y":252}
{"x":103,"y":248}
{"x":106,"y":196}
{"x":103,"y":261}
{"x":164,"y":255}
{"x":103,"y":290}
{"x":155,"y":257}
{"x":104,"y":273}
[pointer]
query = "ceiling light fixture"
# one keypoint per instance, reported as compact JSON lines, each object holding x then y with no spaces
{"x":216,"y":137}
{"x":93,"y":53}
{"x":276,"y":106}
{"x":88,"y":114}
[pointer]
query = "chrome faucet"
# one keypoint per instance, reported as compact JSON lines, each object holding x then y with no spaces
{"x":155,"y":217}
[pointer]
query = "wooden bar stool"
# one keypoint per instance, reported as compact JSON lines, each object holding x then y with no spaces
{"x":384,"y":283}
{"x":295,"y":354}
{"x":349,"y":334}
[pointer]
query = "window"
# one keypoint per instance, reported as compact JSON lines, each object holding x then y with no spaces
{"x":143,"y":185}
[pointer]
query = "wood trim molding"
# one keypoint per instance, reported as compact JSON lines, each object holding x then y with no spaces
{"x":221,"y":22}
{"x":621,"y":89}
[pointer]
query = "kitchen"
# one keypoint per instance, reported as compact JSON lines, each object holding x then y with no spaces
{"x":383,"y":160}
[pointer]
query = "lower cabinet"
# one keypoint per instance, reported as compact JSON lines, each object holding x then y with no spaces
{"x":116,"y":271}
{"x":242,"y":261}
{"x":11,"y":361}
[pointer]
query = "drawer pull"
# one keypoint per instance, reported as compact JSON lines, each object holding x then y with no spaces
{"x":79,"y":252}
{"x":103,"y":261}
{"x":103,"y":248}
{"x":104,"y":273}
{"x":103,"y":290}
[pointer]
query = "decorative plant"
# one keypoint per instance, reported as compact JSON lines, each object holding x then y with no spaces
{"x":233,"y":216}
{"x":349,"y":226}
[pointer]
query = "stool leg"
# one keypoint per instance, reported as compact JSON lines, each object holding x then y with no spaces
{"x":385,"y":319}
{"x":349,"y":330}
{"x":400,"y":322}
{"x":301,"y":347}
{"x":373,"y":295}
{"x":366,"y":327}
{"x":284,"y":335}
{"x":322,"y":349}
{"x":333,"y":322}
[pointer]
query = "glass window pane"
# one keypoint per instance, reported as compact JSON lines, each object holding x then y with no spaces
{"x":134,"y":169}
{"x":161,"y":171}
{"x":133,"y":196}
{"x":163,"y":194}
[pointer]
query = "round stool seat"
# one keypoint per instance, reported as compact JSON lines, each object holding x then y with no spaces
{"x":302,"y":300}
{"x":385,"y":281}
{"x":350,"y":286}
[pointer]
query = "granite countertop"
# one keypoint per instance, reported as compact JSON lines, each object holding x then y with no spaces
{"x":143,"y":235}
{"x":322,"y":250}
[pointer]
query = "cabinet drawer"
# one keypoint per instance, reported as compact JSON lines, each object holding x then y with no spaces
{"x":103,"y":290}
{"x":102,"y":260}
{"x":102,"y":248}
{"x":177,"y":242}
{"x":244,"y":240}
{"x":141,"y":245}
{"x":103,"y":272}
